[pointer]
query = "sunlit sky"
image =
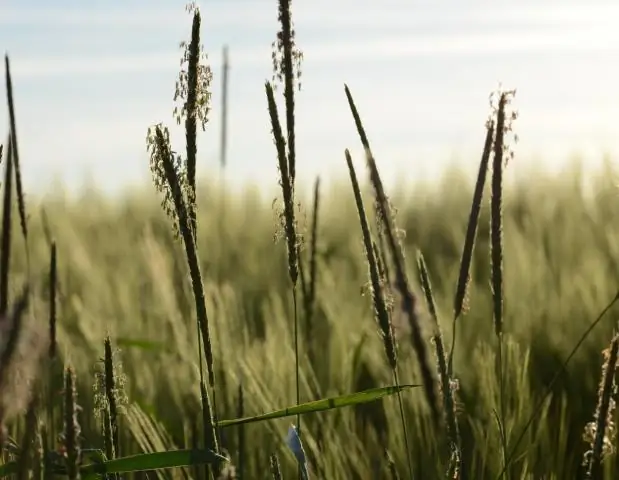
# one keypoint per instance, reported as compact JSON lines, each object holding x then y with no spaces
{"x":90,"y":77}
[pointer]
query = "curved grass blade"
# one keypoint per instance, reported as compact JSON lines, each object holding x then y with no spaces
{"x":136,"y":463}
{"x":349,"y":400}
{"x":153,"y":461}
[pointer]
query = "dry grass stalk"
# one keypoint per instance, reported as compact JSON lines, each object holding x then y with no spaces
{"x":447,"y":387}
{"x":503,"y":125}
{"x":193,"y":96}
{"x":287,"y":60}
{"x":53,"y":282}
{"x":464,"y":275}
{"x":408,"y":299}
{"x":276,"y":471}
{"x":381,"y":310}
{"x":602,"y":432}
{"x":21,"y":205}
{"x":287,"y":187}
{"x":289,"y":220}
{"x":167,"y":173}
{"x":313,"y":262}
{"x":5,"y":253}
{"x":113,"y":384}
{"x":72,"y":430}
{"x":29,"y":454}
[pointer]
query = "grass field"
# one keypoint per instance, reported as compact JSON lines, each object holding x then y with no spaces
{"x":121,"y":272}
{"x":118,"y":291}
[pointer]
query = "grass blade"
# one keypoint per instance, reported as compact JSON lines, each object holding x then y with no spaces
{"x":154,"y":461}
{"x":323,"y":405}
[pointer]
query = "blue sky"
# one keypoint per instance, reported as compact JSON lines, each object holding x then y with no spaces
{"x":90,"y":77}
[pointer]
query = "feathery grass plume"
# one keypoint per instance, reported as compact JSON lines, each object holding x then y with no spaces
{"x":602,"y":432}
{"x":464,"y":275}
{"x":193,"y":95}
{"x":408,"y":299}
{"x":5,"y":253}
{"x":276,"y":470}
{"x":165,"y":168}
{"x":381,"y":311}
{"x":28,"y":454}
{"x":21,"y":204}
{"x":242,"y":443}
{"x":287,"y":59}
{"x":53,"y":280}
{"x":503,"y":125}
{"x":447,"y":387}
{"x":72,"y":430}
{"x":296,"y":447}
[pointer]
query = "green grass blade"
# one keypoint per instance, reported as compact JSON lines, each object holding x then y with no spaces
{"x":136,"y":463}
{"x":348,"y":400}
{"x":153,"y":461}
{"x":138,"y":344}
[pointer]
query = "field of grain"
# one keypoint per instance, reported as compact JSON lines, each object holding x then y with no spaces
{"x":121,"y":272}
{"x":152,"y":341}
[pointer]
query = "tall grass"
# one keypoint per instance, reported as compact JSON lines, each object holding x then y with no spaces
{"x":514,"y":399}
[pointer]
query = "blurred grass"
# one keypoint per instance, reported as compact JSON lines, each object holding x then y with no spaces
{"x":121,"y":272}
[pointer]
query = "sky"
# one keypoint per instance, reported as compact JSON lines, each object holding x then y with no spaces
{"x":90,"y":78}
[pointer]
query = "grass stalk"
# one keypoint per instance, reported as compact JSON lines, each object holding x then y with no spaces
{"x":447,"y":388}
{"x":381,"y":311}
{"x":604,"y":413}
{"x":408,"y":299}
{"x":496,"y":253}
{"x":464,"y":275}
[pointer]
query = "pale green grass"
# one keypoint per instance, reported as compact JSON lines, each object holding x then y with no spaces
{"x":121,"y":271}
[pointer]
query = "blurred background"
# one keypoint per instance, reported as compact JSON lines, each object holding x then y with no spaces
{"x":91,"y":77}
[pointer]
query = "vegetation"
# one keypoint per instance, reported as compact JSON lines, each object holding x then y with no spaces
{"x":479,"y":360}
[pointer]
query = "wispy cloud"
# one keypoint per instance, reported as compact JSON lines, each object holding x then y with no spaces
{"x":320,"y":53}
{"x":90,"y":80}
{"x":341,"y":14}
